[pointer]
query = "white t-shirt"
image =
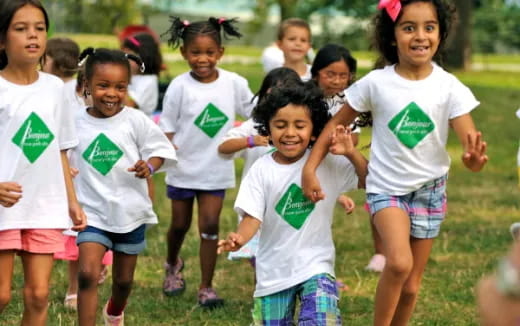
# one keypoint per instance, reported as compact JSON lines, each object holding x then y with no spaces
{"x":272,"y":57}
{"x":200,"y":114}
{"x":289,"y":254}
{"x":144,"y":91}
{"x":411,"y":123}
{"x":335,"y":104}
{"x":308,"y":74}
{"x":112,"y":197}
{"x":34,"y":128}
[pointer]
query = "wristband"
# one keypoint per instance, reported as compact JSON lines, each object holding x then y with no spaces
{"x":251,"y":141}
{"x":150,"y":167}
{"x":508,"y":279}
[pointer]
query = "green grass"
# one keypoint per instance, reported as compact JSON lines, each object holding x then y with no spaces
{"x":475,"y":234}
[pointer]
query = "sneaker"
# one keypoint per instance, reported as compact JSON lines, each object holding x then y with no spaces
{"x":208,"y":298}
{"x":376,"y":264}
{"x":173,"y":283}
{"x":113,"y":320}
{"x":71,"y":301}
{"x":515,"y":231}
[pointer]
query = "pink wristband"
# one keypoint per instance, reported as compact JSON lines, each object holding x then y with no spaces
{"x":251,"y":141}
{"x":150,"y":167}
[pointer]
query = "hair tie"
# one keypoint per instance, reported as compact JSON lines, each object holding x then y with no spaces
{"x":186,"y":23}
{"x":82,"y":62}
{"x":134,"y":41}
{"x":392,"y":7}
{"x":221,"y":20}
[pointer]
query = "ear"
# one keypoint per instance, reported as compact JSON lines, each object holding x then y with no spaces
{"x":220,"y":53}
{"x":183,"y":52}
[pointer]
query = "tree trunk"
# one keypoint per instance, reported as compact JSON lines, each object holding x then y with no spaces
{"x":458,"y":52}
{"x":287,"y":8}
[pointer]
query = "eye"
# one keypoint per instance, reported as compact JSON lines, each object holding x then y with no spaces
{"x":430,"y":28}
{"x":408,"y":28}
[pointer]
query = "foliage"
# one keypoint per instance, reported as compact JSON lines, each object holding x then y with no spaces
{"x":497,"y":27}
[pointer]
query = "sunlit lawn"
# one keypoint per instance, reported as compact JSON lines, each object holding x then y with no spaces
{"x":481,"y":208}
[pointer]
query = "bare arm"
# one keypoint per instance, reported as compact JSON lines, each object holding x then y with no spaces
{"x":310,"y":183}
{"x":10,"y":193}
{"x":78,"y":217}
{"x":343,"y":144}
{"x":474,"y":157}
{"x":234,"y":145}
{"x":235,"y":240}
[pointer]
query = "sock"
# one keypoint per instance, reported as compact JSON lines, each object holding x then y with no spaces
{"x":112,"y":310}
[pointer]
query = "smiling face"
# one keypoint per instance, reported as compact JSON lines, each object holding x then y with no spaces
{"x":291,"y":132}
{"x":26,"y":37}
{"x":417,"y":36}
{"x":295,"y":43}
{"x":108,"y":88}
{"x":202,"y":54}
{"x":334,"y":78}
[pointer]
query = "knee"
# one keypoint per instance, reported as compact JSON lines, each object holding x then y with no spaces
{"x":36,"y":298}
{"x":5,"y":297}
{"x":400,"y":267}
{"x":123,"y":284}
{"x":87,"y":279}
{"x":209,"y":230}
{"x":410,"y":290}
{"x":179,"y":228}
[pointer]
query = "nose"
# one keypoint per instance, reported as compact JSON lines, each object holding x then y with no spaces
{"x":420,"y":34}
{"x":290,"y":131}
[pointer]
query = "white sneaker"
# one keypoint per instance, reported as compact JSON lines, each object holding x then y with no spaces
{"x":376,"y":264}
{"x":113,"y":320}
{"x":515,"y":230}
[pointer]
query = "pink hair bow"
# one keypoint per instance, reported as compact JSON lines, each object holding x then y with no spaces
{"x":221,"y":20}
{"x":186,"y":23}
{"x":134,"y":41}
{"x":393,"y":7}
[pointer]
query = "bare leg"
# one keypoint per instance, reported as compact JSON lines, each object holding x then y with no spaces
{"x":6,"y":277}
{"x":37,"y":273}
{"x":122,"y":278}
{"x":421,"y":249}
{"x":90,"y":256}
{"x":209,"y":214}
{"x":393,"y":225}
{"x":182,"y":211}
{"x":73,"y":277}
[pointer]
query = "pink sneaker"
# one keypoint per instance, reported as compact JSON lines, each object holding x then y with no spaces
{"x":113,"y":320}
{"x":376,"y":264}
{"x":208,"y":298}
{"x":173,"y":283}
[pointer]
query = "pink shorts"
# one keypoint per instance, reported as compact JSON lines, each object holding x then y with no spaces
{"x":37,"y":241}
{"x":71,"y":251}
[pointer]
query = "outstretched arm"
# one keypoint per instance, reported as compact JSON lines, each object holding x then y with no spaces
{"x":77,"y":215}
{"x":310,"y":183}
{"x":234,"y":145}
{"x":235,"y":240}
{"x":474,"y":157}
{"x":343,"y":144}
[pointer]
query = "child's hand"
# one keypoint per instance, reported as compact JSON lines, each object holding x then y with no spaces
{"x":347,"y":203}
{"x":232,"y":243}
{"x":341,"y":141}
{"x":474,"y":157}
{"x":261,"y":140}
{"x":311,"y":187}
{"x":141,"y":169}
{"x":74,"y":172}
{"x":78,"y":217}
{"x":10,"y":193}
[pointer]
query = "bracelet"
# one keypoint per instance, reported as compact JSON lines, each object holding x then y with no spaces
{"x":150,"y":167}
{"x":251,"y":141}
{"x":508,"y":279}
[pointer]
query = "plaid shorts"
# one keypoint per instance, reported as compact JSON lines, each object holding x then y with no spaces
{"x":318,"y":304}
{"x":426,"y":207}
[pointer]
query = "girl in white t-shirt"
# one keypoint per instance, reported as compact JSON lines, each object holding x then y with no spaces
{"x":119,"y":147}
{"x":413,"y":102}
{"x":295,"y":258}
{"x":36,"y":191}
{"x":199,"y":107}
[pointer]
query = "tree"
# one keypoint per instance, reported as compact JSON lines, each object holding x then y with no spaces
{"x":458,"y":53}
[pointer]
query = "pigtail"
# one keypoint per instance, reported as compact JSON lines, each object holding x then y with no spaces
{"x":227,"y":25}
{"x":137,"y":60}
{"x":85,"y":54}
{"x":176,"y":31}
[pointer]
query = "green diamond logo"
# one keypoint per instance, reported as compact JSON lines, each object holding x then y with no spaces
{"x":211,"y":120}
{"x":411,"y":125}
{"x":33,"y":137}
{"x":102,"y":154}
{"x":294,"y":207}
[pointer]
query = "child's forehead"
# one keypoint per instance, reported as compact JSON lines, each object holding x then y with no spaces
{"x":293,"y":112}
{"x":296,"y":30}
{"x":202,"y":40}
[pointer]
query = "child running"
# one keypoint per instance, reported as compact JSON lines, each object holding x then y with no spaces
{"x":296,"y":255}
{"x":119,"y":147}
{"x":198,"y":109}
{"x":413,"y":103}
{"x":294,"y":39}
{"x":36,"y":191}
{"x":244,"y":141}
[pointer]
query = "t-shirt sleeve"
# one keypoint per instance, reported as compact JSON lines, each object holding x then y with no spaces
{"x":244,"y":95}
{"x":344,"y":173}
{"x":358,"y":95}
{"x":171,"y":107}
{"x":145,"y":94}
{"x":152,"y":142}
{"x":251,"y":198}
{"x":65,"y":112}
{"x":461,"y":99}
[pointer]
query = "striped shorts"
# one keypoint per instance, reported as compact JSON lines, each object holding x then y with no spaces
{"x":426,"y":207}
{"x":318,"y":304}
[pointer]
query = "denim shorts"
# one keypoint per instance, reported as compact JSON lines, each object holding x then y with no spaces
{"x":186,"y":193}
{"x":426,"y":207}
{"x":131,"y":243}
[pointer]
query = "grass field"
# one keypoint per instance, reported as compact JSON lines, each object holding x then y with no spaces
{"x":475,"y":234}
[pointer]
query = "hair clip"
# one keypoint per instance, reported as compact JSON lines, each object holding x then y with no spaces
{"x":134,"y":41}
{"x":82,"y":62}
{"x":142,"y":67}
{"x":221,"y":20}
{"x":392,"y":7}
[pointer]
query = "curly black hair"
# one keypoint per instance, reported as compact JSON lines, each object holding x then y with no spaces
{"x":296,"y":93}
{"x":384,"y":30}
